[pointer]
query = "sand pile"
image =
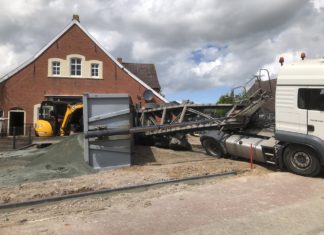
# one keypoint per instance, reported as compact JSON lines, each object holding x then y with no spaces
{"x":62,"y":160}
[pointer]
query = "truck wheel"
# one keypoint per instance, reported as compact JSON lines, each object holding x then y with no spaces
{"x":302,"y":160}
{"x":212,"y":147}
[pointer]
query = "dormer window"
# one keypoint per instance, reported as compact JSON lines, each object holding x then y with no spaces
{"x":56,"y":68}
{"x":75,"y":67}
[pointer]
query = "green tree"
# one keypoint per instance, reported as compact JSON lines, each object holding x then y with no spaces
{"x":224,"y":99}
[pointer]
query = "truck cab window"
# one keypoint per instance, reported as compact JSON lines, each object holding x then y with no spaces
{"x":311,"y":99}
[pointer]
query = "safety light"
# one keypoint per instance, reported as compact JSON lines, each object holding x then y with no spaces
{"x":302,"y":55}
{"x":281,"y":60}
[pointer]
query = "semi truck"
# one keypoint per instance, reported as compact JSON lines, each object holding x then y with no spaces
{"x":293,"y":139}
{"x":296,"y":140}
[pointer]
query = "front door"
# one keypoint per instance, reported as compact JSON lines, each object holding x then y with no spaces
{"x":16,"y":122}
{"x":291,"y":110}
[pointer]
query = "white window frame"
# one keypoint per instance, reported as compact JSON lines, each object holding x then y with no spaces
{"x":74,"y":67}
{"x":95,"y":70}
{"x":56,"y":68}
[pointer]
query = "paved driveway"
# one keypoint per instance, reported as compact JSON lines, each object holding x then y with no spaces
{"x":275,"y":203}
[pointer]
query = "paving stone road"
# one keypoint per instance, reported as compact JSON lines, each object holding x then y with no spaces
{"x":275,"y":203}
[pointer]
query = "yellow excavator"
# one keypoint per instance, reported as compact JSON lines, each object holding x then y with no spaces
{"x":59,"y":119}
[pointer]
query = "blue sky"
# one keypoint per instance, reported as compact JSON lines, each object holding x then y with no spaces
{"x":206,"y":96}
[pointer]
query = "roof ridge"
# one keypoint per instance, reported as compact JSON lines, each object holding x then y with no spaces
{"x":137,"y":63}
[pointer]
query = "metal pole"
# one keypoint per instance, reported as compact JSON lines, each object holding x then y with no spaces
{"x":269,"y":79}
{"x":114,"y":190}
{"x":14,"y":138}
{"x":176,"y":127}
{"x":29,"y":135}
{"x":251,"y":157}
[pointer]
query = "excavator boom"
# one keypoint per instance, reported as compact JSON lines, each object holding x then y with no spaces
{"x":67,"y":117}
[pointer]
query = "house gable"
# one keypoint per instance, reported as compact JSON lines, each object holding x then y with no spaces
{"x":34,"y":81}
{"x":91,"y":45}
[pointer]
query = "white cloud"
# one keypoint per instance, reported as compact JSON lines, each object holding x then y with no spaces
{"x":143,"y":50}
{"x":20,"y":8}
{"x":205,"y":68}
{"x":318,"y":4}
{"x":10,"y":59}
{"x":110,"y":40}
{"x":231,"y":39}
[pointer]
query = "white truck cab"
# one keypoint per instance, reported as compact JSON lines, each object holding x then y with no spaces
{"x":300,"y":114}
{"x":296,"y":141}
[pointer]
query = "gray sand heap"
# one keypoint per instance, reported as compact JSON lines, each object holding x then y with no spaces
{"x":62,"y":160}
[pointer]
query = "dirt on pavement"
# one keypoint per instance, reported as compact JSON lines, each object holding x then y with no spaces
{"x":273,"y":203}
{"x":51,"y":173}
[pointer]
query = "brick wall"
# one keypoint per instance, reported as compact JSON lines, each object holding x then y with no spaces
{"x":30,"y":85}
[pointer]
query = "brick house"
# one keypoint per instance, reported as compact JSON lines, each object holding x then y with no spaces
{"x":72,"y":64}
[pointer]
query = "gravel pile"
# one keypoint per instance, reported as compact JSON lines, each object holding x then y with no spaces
{"x":62,"y":160}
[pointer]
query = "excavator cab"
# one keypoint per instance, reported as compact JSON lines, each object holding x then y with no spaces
{"x":51,"y":114}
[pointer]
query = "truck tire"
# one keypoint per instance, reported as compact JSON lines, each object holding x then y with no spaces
{"x":212,"y":147}
{"x":302,"y":160}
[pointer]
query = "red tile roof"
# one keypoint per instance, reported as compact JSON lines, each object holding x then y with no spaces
{"x":146,"y":72}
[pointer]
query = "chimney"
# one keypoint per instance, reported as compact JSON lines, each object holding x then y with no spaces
{"x":76,"y":17}
{"x":120,"y":60}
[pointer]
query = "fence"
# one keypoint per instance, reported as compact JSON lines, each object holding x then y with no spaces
{"x":16,"y":137}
